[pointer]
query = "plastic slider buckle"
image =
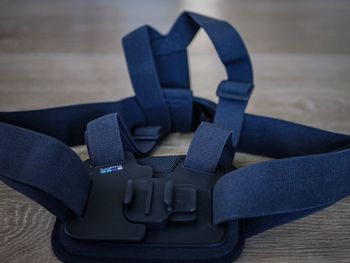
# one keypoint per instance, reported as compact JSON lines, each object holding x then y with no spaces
{"x":148,"y":133}
{"x":233,"y":90}
{"x":157,"y":201}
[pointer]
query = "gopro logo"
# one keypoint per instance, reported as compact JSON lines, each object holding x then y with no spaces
{"x":111,"y":169}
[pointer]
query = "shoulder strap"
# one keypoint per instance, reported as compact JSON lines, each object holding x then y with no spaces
{"x":43,"y":169}
{"x":159,"y":63}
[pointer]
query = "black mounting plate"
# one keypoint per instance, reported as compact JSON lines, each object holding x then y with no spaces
{"x":106,"y":217}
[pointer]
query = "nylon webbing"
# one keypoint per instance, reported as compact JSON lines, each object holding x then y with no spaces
{"x":207,"y":148}
{"x":144,"y":77}
{"x":108,"y":137}
{"x":68,"y":124}
{"x":104,"y":141}
{"x":282,"y":187}
{"x":233,"y":100}
{"x":43,"y":169}
{"x":157,"y":61}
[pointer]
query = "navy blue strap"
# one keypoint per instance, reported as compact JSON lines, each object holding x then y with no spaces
{"x":157,"y":61}
{"x":270,"y":137}
{"x":144,"y":78}
{"x":104,"y":141}
{"x":233,"y":100}
{"x":282,"y":187}
{"x":108,"y":137}
{"x":272,"y":193}
{"x":207,"y":148}
{"x":68,"y":124}
{"x":44,"y":169}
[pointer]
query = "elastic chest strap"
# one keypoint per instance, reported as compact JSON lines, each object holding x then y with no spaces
{"x":275,"y":192}
{"x":44,"y":169}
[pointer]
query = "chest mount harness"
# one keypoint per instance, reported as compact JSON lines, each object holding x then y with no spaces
{"x":122,"y":206}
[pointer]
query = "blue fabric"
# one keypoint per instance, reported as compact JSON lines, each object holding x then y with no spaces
{"x":208,"y":148}
{"x":180,"y":102}
{"x":281,"y":139}
{"x":282,"y":187}
{"x":233,"y":100}
{"x":68,"y":124}
{"x":156,"y":62}
{"x":43,"y":169}
{"x":276,"y":138}
{"x":104,"y":141}
{"x":143,"y":74}
{"x":226,"y":40}
{"x":108,"y":137}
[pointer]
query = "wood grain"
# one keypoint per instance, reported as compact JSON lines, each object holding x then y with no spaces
{"x":55,"y":53}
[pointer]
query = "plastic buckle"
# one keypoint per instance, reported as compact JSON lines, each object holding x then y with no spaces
{"x":148,"y":133}
{"x":234,"y":90}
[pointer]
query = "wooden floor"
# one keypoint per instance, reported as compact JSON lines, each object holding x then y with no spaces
{"x":55,"y":53}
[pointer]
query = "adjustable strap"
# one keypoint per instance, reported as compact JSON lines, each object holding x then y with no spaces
{"x":43,"y":169}
{"x":68,"y":123}
{"x":143,"y":74}
{"x":275,"y":192}
{"x":108,"y":137}
{"x":209,"y":148}
{"x":233,"y":100}
{"x":104,"y":141}
{"x":157,"y":62}
{"x":274,"y":138}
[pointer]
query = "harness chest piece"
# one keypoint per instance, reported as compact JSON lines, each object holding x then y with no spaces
{"x":153,"y":203}
{"x":121,"y":205}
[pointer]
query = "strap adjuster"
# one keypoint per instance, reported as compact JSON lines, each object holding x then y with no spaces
{"x":148,"y":133}
{"x":235,"y":90}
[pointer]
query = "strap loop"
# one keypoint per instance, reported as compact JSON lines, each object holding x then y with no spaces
{"x":108,"y":138}
{"x":208,"y":148}
{"x":104,"y":141}
{"x":234,"y":90}
{"x":234,"y":97}
{"x":147,"y":133}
